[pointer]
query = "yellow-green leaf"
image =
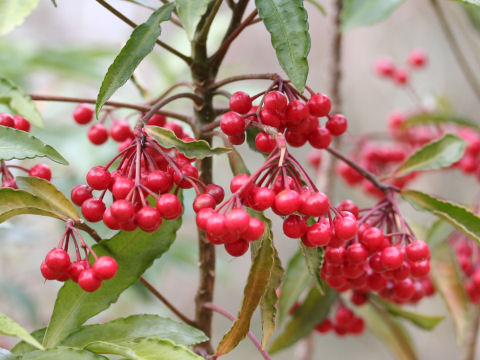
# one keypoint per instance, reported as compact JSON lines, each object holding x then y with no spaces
{"x":9,"y":327}
{"x":190,"y":13}
{"x":14,"y":12}
{"x":366,"y":12}
{"x":438,"y":119}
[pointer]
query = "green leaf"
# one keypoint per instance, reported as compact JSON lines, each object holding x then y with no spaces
{"x":150,"y":4}
{"x":16,"y":100}
{"x":438,"y":119}
{"x":314,"y":261}
{"x":62,"y":352}
{"x":136,"y":326}
{"x":450,"y":285}
{"x":9,"y":327}
{"x":135,"y":252}
{"x":47,"y":191}
{"x":313,"y":310}
{"x":194,"y":149}
{"x":389,"y":331}
{"x":18,"y":202}
{"x":237,"y":165}
{"x":437,"y":233}
{"x":14,"y":12}
{"x":366,"y":12}
{"x":139,"y":45}
{"x":435,"y":155}
{"x":17,"y":144}
{"x":191,"y":12}
{"x":145,"y":349}
{"x":257,"y":283}
{"x":457,"y":215}
{"x":286,"y":21}
{"x":318,"y":6}
{"x":23,"y":347}
{"x":425,"y":322}
{"x":296,"y":281}
{"x":473,"y":15}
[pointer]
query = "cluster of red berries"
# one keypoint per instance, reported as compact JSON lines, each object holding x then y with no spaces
{"x":58,"y":266}
{"x":467,"y":252}
{"x":14,"y":121}
{"x":343,"y":322}
{"x":392,"y":263}
{"x":285,"y":111}
{"x":386,"y":68}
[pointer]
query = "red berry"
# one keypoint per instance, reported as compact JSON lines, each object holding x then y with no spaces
{"x":255,"y":229}
{"x":83,"y":114}
{"x":376,"y":281}
{"x":237,"y":220}
{"x":357,"y":326}
{"x":404,"y":289}
{"x":337,"y":124}
{"x":120,"y":130}
{"x":98,"y":178}
{"x":384,"y":67}
{"x":316,"y":204}
{"x":275,"y":101}
{"x":263,"y":198}
{"x":122,"y":187}
{"x":105,"y":267}
{"x":216,"y":191}
{"x":296,"y":111}
{"x":320,"y":138}
{"x":294,"y":226}
{"x":7,"y":120}
{"x":80,"y":193}
{"x":240,"y":102}
{"x":372,"y":239}
{"x":57,"y":260}
{"x":335,"y":255}
{"x":401,"y":273}
{"x":270,"y":118}
{"x":287,"y":202}
{"x":187,"y":170}
{"x":265,"y":143}
{"x":76,"y":268}
{"x":232,"y":123}
{"x":417,"y":250}
{"x":237,"y":139}
{"x":359,"y":298}
{"x":122,"y":210}
{"x":169,"y":206}
{"x":295,"y":139}
{"x":324,"y":327}
{"x":97,"y":134}
{"x":202,"y":217}
{"x":157,"y":120}
{"x":93,"y":209}
{"x":357,"y":253}
{"x":400,"y":76}
{"x":420,"y":269}
{"x":48,"y":273}
{"x":319,"y":105}
{"x":42,"y":171}
{"x":348,"y":205}
{"x":216,"y":224}
{"x":417,"y":58}
{"x":237,"y":248}
{"x":159,"y":181}
{"x":203,"y":201}
{"x":319,"y":234}
{"x":345,"y":228}
{"x":392,"y":258}
{"x":239,"y":181}
{"x":344,"y":316}
{"x":21,"y":123}
{"x":88,"y":281}
{"x":111,"y":221}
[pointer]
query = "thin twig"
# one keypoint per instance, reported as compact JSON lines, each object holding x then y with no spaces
{"x":129,"y":22}
{"x":457,"y":51}
{"x":267,"y":76}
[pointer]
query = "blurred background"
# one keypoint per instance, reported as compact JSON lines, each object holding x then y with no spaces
{"x":67,"y":50}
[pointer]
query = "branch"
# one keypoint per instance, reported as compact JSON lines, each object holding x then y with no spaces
{"x":129,"y":22}
{"x":455,"y":47}
{"x":81,"y":225}
{"x":230,"y":316}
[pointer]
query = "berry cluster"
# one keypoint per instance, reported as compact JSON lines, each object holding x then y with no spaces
{"x":386,"y":68}
{"x":283,"y":110}
{"x":343,"y":322}
{"x":384,"y":257}
{"x":14,"y":121}
{"x":58,"y":266}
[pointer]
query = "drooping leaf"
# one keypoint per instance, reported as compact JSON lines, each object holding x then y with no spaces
{"x":18,"y":202}
{"x":425,"y":322}
{"x":191,"y":12}
{"x":313,"y":310}
{"x":388,"y":330}
{"x":437,"y":233}
{"x":318,"y":6}
{"x":450,"y":285}
{"x":13,"y":13}
{"x":286,"y":21}
{"x":257,"y":283}
{"x":366,"y":12}
{"x":47,"y":191}
{"x":9,"y":327}
{"x":438,"y":119}
{"x":296,"y":281}
{"x":457,"y":215}
{"x":435,"y":155}
{"x":62,"y":352}
{"x":145,"y":349}
{"x":17,"y":144}
{"x":134,"y":327}
{"x":139,"y":45}
{"x":134,"y":252}
{"x":314,"y":261}
{"x":16,"y":100}
{"x":237,"y":165}
{"x":23,"y":347}
{"x":194,"y":149}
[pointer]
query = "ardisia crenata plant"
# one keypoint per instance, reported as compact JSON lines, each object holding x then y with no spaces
{"x":358,"y":265}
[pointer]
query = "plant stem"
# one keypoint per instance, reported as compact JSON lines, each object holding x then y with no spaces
{"x":455,"y":47}
{"x":129,"y":22}
{"x":251,"y":336}
{"x":472,"y":334}
{"x":116,"y":104}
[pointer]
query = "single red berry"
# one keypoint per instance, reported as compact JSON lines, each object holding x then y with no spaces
{"x":57,"y":260}
{"x":376,"y":281}
{"x":237,"y":139}
{"x":240,"y":102}
{"x":186,"y":170}
{"x":239,"y":181}
{"x":401,"y":273}
{"x":324,"y":327}
{"x":237,"y":220}
{"x":83,"y":114}
{"x":232,"y":123}
{"x":105,"y":267}
{"x":122,"y":187}
{"x":97,"y":134}
{"x":417,"y":250}
{"x":348,"y":205}
{"x":7,"y":120}
{"x":345,"y":227}
{"x":400,"y":76}
{"x":335,"y":255}
{"x":76,"y":268}
{"x":315,"y":204}
{"x":265,"y":143}
{"x":48,"y":273}
{"x":319,"y":105}
{"x":271,"y":118}
{"x":287,"y":202}
{"x":169,"y":206}
{"x":21,"y":123}
{"x":372,"y":239}
{"x":216,"y":191}
{"x":359,"y":298}
{"x":93,"y":209}
{"x":263,"y":198}
{"x":295,"y":139}
{"x":159,"y":181}
{"x":420,"y":269}
{"x":88,"y":281}
{"x":237,"y":248}
{"x":357,"y":326}
{"x":203,"y":201}
{"x":344,"y":316}
{"x":294,"y":226}
{"x":64,"y":276}
{"x":319,"y":234}
{"x":42,"y":171}
{"x":202,"y":217}
{"x":157,"y":120}
{"x":337,"y":124}
{"x":417,"y":58}
{"x":120,"y":130}
{"x":130,"y":225}
{"x":392,"y":258}
{"x":99,"y":178}
{"x":404,"y":289}
{"x":476,"y":279}
{"x":122,"y":210}
{"x":320,"y":138}
{"x":296,"y":111}
{"x":111,"y":221}
{"x":357,"y":253}
{"x":275,"y":101}
{"x":80,"y":193}
{"x":255,"y":229}
{"x":384,"y":67}
{"x":216,"y":224}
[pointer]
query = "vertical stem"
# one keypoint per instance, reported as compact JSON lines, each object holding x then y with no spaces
{"x":472,"y":334}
